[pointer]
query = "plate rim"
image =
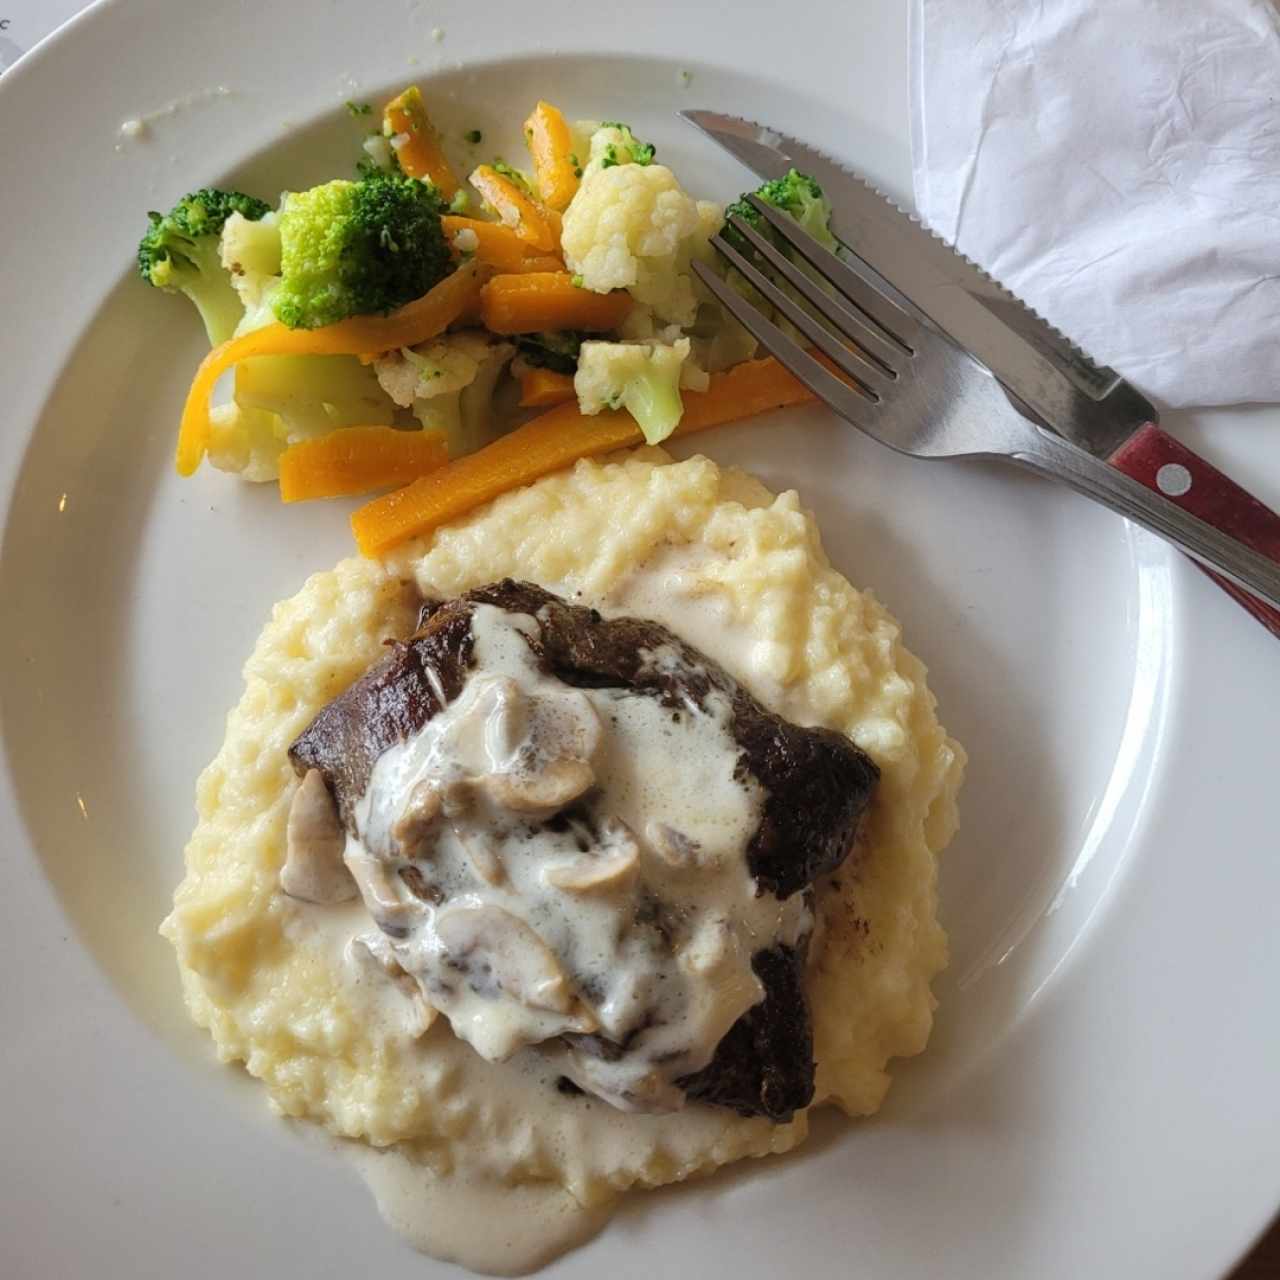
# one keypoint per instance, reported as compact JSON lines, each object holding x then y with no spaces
{"x":109,"y":20}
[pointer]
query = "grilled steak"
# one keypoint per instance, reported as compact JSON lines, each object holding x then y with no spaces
{"x":815,"y":787}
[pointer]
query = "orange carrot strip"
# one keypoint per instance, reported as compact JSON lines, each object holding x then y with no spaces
{"x":416,"y":142}
{"x":356,"y":460}
{"x":551,"y":146}
{"x":557,"y":439}
{"x":524,"y":215}
{"x":544,"y":300}
{"x":540,"y":388}
{"x":537,"y":263}
{"x":500,"y":247}
{"x":415,"y":322}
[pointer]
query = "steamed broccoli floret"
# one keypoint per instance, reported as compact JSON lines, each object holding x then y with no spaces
{"x":556,"y":351}
{"x":180,"y":253}
{"x":797,"y":195}
{"x":314,"y":394}
{"x":355,"y":248}
{"x":621,"y":146}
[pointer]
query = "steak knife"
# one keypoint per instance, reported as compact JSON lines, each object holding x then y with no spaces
{"x":1044,"y":374}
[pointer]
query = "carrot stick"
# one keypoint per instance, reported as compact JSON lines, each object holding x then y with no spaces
{"x":500,"y":247}
{"x":542,"y":301}
{"x":416,"y":142}
{"x":540,"y":388}
{"x":356,"y":460}
{"x":554,"y":440}
{"x":536,"y":263}
{"x":551,"y":146}
{"x":415,"y":322}
{"x":515,"y":209}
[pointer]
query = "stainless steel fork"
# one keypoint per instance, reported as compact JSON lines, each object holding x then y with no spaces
{"x":909,"y":387}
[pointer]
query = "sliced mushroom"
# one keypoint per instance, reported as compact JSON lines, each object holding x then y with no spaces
{"x":390,"y":911}
{"x":676,"y":849}
{"x":543,"y":790}
{"x":413,"y":879}
{"x":643,"y":1091}
{"x":613,"y":867}
{"x":651,"y":1092}
{"x":483,"y":857}
{"x":313,"y":868}
{"x":422,"y":1013}
{"x":456,"y":798}
{"x":413,"y":827}
{"x":506,"y":723}
{"x":593,"y":875}
{"x":523,"y":966}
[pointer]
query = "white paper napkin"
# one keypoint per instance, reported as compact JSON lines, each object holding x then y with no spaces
{"x":1115,"y":163}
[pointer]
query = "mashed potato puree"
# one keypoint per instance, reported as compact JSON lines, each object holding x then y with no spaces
{"x":732,"y":569}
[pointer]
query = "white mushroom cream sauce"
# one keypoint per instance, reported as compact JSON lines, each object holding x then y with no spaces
{"x":546,"y":860}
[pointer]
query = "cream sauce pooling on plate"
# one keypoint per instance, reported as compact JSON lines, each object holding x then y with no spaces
{"x":479,"y":1223}
{"x":549,"y":861}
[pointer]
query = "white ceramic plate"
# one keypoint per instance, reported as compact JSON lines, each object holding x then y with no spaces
{"x":1099,"y":1098}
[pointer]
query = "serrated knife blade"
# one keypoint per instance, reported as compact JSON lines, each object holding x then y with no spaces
{"x":1087,"y":403}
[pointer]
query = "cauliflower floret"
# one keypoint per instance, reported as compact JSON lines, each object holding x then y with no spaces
{"x":642,"y":377}
{"x":433,"y":369}
{"x":630,"y":226}
{"x":379,"y":151}
{"x":613,"y":144}
{"x":250,"y":251}
{"x":693,"y":377}
{"x":449,"y":385}
{"x":465,"y":241}
{"x":247,"y":441}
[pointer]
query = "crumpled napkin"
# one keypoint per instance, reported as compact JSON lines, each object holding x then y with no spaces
{"x":1117,"y":165}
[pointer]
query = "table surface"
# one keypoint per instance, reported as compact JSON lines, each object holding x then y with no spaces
{"x":1263,"y":1263}
{"x":24,"y":22}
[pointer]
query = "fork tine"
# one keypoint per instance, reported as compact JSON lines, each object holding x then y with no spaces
{"x":869,"y":371}
{"x":885,"y":348}
{"x":854,"y":403}
{"x":872,"y":369}
{"x":886,"y":313}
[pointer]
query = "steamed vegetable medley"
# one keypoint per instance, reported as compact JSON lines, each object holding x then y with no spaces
{"x":381,"y":330}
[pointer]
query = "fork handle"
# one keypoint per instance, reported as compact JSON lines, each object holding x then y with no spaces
{"x":1247,"y":564}
{"x":1155,"y":459}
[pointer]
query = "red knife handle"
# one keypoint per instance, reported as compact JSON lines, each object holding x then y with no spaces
{"x":1155,"y":459}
